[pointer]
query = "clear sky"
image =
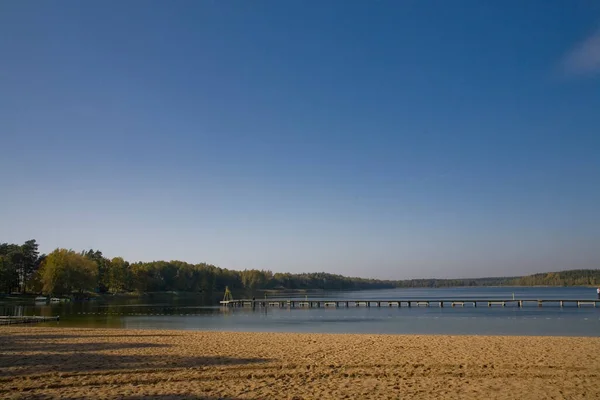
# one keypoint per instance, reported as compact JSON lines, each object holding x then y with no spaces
{"x":392,"y":139}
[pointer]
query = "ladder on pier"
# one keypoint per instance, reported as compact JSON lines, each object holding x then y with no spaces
{"x":227,"y":297}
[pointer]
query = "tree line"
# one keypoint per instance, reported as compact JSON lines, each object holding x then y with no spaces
{"x":67,"y":272}
{"x":574,"y":277}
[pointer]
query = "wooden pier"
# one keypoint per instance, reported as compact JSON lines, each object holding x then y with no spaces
{"x":331,"y":303}
{"x":12,"y":320}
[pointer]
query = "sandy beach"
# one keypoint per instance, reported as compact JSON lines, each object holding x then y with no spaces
{"x":66,"y":363}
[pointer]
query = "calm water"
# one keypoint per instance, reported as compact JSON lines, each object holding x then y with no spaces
{"x":193,"y":313}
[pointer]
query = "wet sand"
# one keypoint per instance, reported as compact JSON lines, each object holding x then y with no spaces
{"x":38,"y":362}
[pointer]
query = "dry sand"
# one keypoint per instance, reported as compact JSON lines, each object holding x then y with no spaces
{"x":101,"y":364}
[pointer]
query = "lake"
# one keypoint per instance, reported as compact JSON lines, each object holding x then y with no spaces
{"x":171,"y":311}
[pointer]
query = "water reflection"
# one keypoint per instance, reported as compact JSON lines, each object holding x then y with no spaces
{"x":171,"y":311}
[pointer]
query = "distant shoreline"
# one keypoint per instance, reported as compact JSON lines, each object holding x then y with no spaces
{"x":30,"y":296}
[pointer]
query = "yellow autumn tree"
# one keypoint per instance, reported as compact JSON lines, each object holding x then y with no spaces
{"x":66,"y":272}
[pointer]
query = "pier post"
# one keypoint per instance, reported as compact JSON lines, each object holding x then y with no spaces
{"x":378,"y":304}
{"x":441,"y":304}
{"x":561,"y":303}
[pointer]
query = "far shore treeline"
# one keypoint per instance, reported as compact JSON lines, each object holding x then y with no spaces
{"x":66,"y":272}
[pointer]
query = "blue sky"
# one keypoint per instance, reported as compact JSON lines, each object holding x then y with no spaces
{"x":392,"y":139}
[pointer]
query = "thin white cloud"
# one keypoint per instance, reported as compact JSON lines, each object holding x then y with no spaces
{"x":584,"y":59}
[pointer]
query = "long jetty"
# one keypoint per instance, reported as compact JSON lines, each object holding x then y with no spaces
{"x":334,"y":303}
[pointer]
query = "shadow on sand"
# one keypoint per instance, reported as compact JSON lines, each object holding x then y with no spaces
{"x":175,"y":396}
{"x":29,"y":354}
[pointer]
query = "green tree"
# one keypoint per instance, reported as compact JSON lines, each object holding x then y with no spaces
{"x":29,"y":262}
{"x":103,"y":267}
{"x":254,"y":279}
{"x":9,"y":277}
{"x":11,"y":262}
{"x":118,"y":275}
{"x":65,"y":272}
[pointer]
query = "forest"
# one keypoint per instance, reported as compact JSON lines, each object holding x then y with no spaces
{"x":67,"y":272}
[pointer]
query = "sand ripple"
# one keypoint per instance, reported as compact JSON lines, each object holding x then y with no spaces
{"x":67,"y":363}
